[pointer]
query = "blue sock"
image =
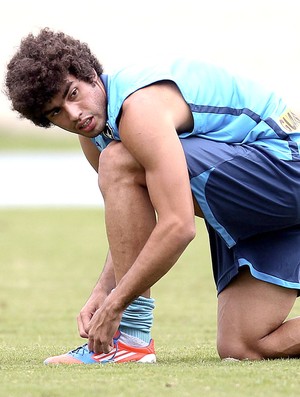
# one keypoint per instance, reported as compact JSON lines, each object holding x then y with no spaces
{"x":137,"y":319}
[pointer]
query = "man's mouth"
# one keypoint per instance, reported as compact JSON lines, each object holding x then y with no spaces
{"x":87,"y":125}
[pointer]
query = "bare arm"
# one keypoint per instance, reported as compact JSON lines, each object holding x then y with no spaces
{"x":90,"y":151}
{"x":150,"y":120}
{"x":102,"y":289}
{"x":106,"y":281}
{"x":149,"y":131}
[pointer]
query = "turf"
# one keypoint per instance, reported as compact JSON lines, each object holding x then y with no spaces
{"x":52,"y":139}
{"x":49,"y":261}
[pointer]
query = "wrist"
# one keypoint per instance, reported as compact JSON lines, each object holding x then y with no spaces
{"x":117,"y":302}
{"x":102,"y":288}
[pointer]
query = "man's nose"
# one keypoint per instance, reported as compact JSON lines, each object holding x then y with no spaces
{"x":73,"y":111}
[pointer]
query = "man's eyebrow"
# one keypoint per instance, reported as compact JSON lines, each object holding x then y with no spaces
{"x":65,"y":93}
{"x":68,"y":85}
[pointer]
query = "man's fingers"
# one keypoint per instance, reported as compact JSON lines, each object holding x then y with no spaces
{"x":105,"y":347}
{"x":83,"y":325}
{"x":99,"y":347}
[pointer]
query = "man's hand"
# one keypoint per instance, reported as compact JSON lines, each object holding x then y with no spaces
{"x":103,"y":326}
{"x":94,"y":302}
{"x":105,"y":284}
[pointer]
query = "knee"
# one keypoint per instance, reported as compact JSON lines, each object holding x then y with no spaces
{"x":229,"y":348}
{"x":238,"y":348}
{"x":118,"y":167}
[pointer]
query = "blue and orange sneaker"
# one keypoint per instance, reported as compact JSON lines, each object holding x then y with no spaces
{"x":121,"y":353}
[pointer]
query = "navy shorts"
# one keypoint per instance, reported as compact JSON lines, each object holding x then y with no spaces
{"x":251,"y":205}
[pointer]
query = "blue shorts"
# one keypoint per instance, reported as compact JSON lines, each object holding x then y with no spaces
{"x":251,"y":204}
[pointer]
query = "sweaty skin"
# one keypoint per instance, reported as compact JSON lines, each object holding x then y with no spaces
{"x":153,"y":141}
{"x":149,"y":125}
{"x":80,"y":107}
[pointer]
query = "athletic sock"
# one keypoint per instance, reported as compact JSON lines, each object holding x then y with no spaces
{"x":136,"y":322}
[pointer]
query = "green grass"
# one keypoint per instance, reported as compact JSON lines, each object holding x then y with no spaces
{"x":52,"y":139}
{"x":49,"y":261}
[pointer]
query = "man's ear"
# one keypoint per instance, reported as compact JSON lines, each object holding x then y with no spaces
{"x":94,"y":76}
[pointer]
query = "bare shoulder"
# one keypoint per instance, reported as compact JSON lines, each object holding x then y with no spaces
{"x":163,"y":98}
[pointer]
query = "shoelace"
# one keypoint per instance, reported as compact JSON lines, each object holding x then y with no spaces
{"x":81,"y":349}
{"x":84,"y":349}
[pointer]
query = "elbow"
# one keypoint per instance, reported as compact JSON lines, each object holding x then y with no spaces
{"x":185,"y":232}
{"x":190,"y":233}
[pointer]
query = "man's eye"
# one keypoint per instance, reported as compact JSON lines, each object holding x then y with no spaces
{"x":55,"y":112}
{"x":74,"y":92}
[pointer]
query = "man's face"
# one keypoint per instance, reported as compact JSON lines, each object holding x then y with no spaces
{"x":79,"y":107}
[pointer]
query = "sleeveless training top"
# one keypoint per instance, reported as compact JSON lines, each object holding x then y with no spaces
{"x":225,"y":108}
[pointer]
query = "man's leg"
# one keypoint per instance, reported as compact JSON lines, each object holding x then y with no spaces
{"x":252,"y":320}
{"x":130,"y":219}
{"x":129,"y":214}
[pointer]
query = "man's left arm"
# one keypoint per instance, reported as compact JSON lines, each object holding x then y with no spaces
{"x":148,"y":127}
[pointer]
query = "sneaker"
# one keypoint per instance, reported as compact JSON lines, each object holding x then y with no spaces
{"x":121,"y":353}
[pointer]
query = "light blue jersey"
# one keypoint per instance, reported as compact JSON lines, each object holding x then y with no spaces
{"x":225,"y":108}
{"x":242,"y":161}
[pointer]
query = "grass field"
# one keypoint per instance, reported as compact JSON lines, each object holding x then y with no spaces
{"x":49,"y":261}
{"x":34,"y":138}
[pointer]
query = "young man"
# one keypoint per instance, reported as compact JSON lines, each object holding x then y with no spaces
{"x":176,"y":139}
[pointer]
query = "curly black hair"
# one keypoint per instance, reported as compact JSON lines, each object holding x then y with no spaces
{"x":37,"y":71}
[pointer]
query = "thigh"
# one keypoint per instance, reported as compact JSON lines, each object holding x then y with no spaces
{"x":241,"y":189}
{"x":250,"y":309}
{"x":272,"y":257}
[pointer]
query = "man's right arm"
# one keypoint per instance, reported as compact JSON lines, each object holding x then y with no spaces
{"x":105,"y":284}
{"x":90,"y":151}
{"x":106,"y":281}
